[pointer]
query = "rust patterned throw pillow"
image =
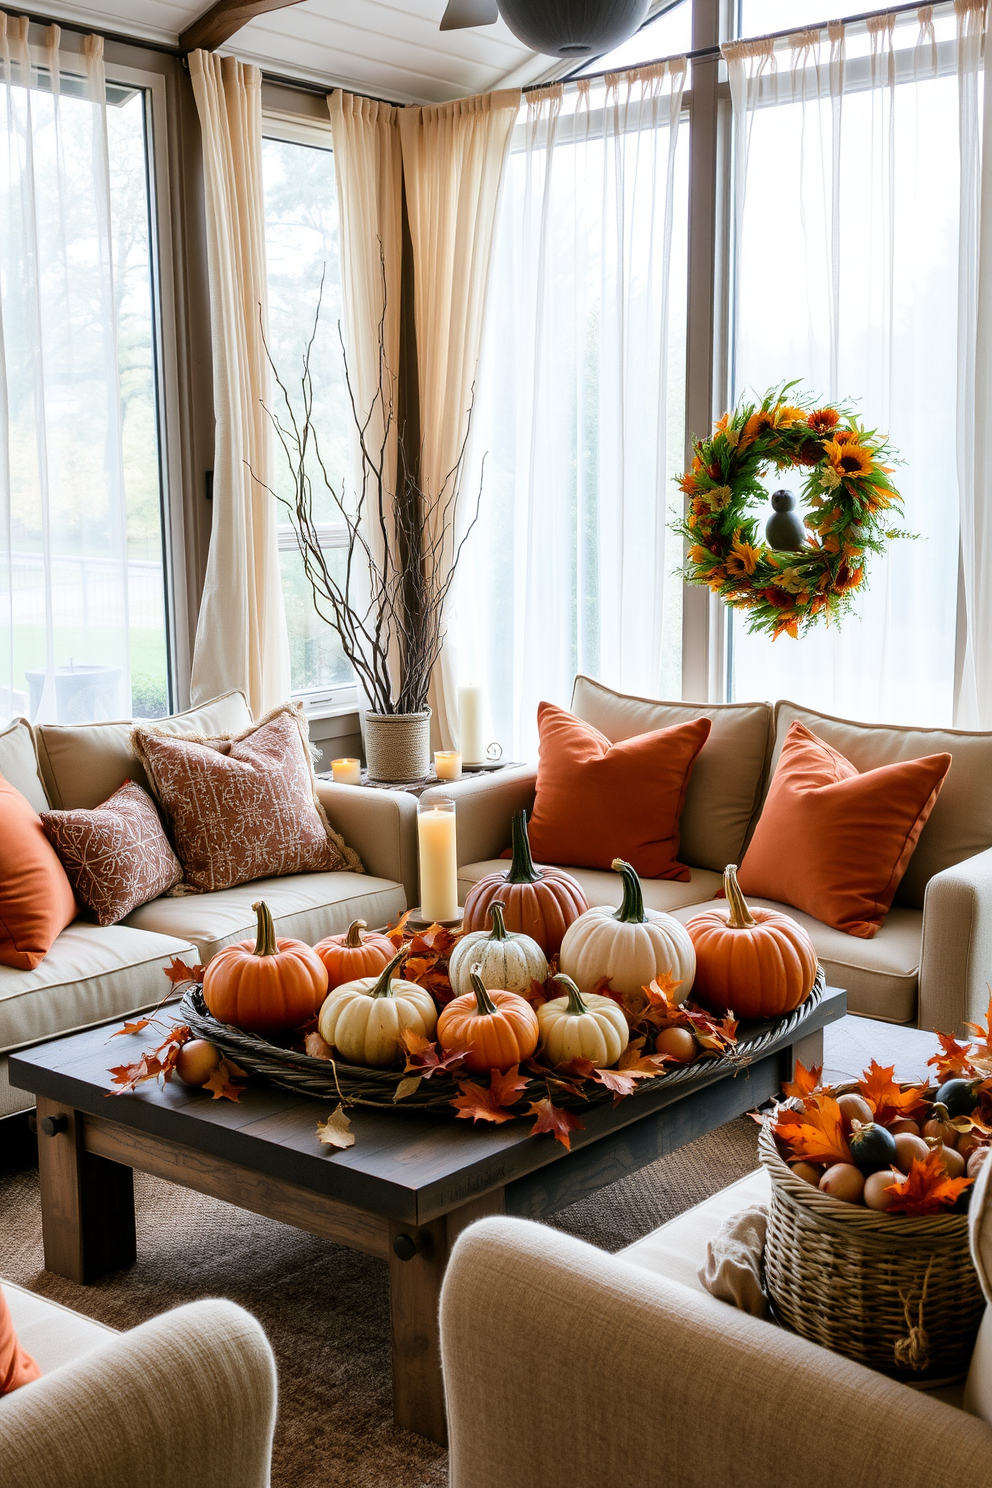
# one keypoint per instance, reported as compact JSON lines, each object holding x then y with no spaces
{"x":243,"y":808}
{"x":116,"y":856}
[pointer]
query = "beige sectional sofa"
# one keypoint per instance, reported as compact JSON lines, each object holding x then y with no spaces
{"x":91,"y":973}
{"x":931,"y":962}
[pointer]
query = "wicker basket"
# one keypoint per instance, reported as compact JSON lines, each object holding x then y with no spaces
{"x":900,"y":1295}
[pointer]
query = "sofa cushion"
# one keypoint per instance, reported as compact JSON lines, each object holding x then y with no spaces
{"x":117,"y":856}
{"x":36,"y":898}
{"x":92,"y":973}
{"x":960,"y":824}
{"x":607,"y":888}
{"x":881,"y":976}
{"x":724,"y":791}
{"x":83,"y":765}
{"x":307,"y":907}
{"x":52,"y":1334}
{"x":19,"y":763}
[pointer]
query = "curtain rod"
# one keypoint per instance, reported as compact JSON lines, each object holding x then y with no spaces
{"x":705,"y":54}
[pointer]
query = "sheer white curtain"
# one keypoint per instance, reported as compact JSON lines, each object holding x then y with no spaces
{"x":848,"y":211}
{"x":579,"y":406}
{"x":63,"y":533}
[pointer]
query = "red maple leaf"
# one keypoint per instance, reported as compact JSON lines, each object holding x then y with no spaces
{"x":137,"y":1027}
{"x":805,"y":1081}
{"x":953,"y":1059}
{"x":223,"y":1081}
{"x":816,"y":1133}
{"x":425,"y":1058}
{"x":926,"y":1189}
{"x":549,"y":1118}
{"x":129,"y":1076}
{"x":479,"y":1104}
{"x":178,"y":972}
{"x":887,"y":1100}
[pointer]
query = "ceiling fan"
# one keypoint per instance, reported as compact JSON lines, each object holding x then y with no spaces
{"x":559,"y":28}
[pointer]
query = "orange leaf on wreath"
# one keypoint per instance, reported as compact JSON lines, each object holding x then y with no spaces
{"x":223,"y":1081}
{"x":425,"y":1058}
{"x":554,"y":1119}
{"x":953,"y":1059}
{"x":478,"y":1104}
{"x":816,"y":1133}
{"x":886,"y":1099}
{"x":633,"y":1061}
{"x":926,"y":1189}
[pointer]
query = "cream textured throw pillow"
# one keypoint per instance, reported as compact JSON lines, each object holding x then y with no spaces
{"x":245,"y":807}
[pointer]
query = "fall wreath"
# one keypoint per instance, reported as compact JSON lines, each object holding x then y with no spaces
{"x":848,"y":497}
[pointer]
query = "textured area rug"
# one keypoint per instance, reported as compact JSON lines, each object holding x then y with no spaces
{"x":326,"y":1309}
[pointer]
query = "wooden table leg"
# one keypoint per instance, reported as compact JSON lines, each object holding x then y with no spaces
{"x":808,"y":1051}
{"x":87,"y":1202}
{"x":414,"y":1294}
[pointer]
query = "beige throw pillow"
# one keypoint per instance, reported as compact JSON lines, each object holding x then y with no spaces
{"x":245,"y":807}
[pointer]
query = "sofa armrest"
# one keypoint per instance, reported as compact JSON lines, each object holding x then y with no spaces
{"x":486,"y":806}
{"x":382,"y":828}
{"x":187,"y":1400}
{"x":569,"y":1368}
{"x":956,"y":960}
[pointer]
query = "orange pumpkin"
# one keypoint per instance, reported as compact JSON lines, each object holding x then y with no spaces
{"x":756,"y":961}
{"x":499,"y":1028}
{"x":354,"y":954}
{"x":266,"y":987}
{"x":539,"y":902}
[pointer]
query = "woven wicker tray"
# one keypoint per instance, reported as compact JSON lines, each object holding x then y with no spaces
{"x":357,"y":1085}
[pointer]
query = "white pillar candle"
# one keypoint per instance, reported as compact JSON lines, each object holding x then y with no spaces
{"x":347,"y":771}
{"x":470,"y":726}
{"x":447,"y":764}
{"x":438,"y":861}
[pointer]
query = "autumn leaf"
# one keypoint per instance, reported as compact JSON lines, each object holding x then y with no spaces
{"x":478,"y":1104}
{"x":926,"y":1189}
{"x":554,"y":1119}
{"x":426,"y":1059}
{"x":805,"y":1081}
{"x":397,"y":933}
{"x":138,"y":1027}
{"x":633,"y":1061}
{"x":816,"y":1133}
{"x":620,"y":1082}
{"x":316,"y":1047}
{"x":178,"y":972}
{"x":885,"y":1097}
{"x":336,"y":1130}
{"x":178,"y":1035}
{"x":407,"y":1087}
{"x":953,"y":1059}
{"x":983,"y":1034}
{"x":716,"y":1035}
{"x":223,"y":1081}
{"x":129,"y":1076}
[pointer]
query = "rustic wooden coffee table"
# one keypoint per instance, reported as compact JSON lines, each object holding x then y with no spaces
{"x":403,"y":1192}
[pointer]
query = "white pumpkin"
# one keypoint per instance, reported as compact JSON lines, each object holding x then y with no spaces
{"x":506,"y":959}
{"x":577,"y":1027}
{"x":630,"y":945}
{"x":364,"y":1020}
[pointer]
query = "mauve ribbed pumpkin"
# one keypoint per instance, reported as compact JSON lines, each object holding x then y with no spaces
{"x":267,"y":987}
{"x":539,"y":902}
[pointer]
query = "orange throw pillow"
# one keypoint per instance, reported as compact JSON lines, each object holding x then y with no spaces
{"x":16,"y":1367}
{"x":36,"y":899}
{"x":597,"y":801}
{"x":836,"y":843}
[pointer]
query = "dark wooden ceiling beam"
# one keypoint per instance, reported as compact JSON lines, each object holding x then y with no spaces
{"x":221,"y":21}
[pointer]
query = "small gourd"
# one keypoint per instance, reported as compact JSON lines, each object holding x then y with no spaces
{"x":268,"y":986}
{"x":872,"y":1147}
{"x":499,"y":1028}
{"x":354,"y":954}
{"x":577,"y":1027}
{"x":958,"y":1097}
{"x":630,"y":945}
{"x":507,"y":958}
{"x":365,"y":1019}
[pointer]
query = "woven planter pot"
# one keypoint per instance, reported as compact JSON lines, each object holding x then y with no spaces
{"x":398,"y":746}
{"x":900,"y":1295}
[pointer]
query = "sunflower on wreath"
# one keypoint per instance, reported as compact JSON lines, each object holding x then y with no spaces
{"x":848,"y":499}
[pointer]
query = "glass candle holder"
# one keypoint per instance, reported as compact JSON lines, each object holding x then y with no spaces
{"x":447,"y":764}
{"x":347,"y":771}
{"x":438,"y":860}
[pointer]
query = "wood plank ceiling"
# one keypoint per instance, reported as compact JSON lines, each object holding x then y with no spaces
{"x":391,"y":48}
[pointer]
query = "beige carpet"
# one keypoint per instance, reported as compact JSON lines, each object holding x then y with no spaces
{"x":325,"y":1309}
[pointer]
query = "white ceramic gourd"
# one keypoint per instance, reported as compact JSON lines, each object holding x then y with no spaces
{"x":630,"y":945}
{"x":577,"y":1027}
{"x":508,"y":960}
{"x":364,"y":1019}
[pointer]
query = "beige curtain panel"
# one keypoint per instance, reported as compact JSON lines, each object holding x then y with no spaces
{"x":453,"y":161}
{"x":241,"y":637}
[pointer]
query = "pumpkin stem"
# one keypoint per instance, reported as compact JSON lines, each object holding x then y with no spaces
{"x":484,"y":1005}
{"x":740,"y":917}
{"x":575,"y":1003}
{"x":522,"y":868}
{"x":631,"y":911}
{"x":499,"y":924}
{"x":353,"y":939}
{"x":382,"y":986}
{"x":265,"y":937}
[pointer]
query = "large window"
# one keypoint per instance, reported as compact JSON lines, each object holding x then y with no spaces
{"x":301,"y":219}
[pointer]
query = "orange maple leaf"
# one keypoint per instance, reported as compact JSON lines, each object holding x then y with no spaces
{"x":137,"y":1027}
{"x":129,"y":1076}
{"x":178,"y":972}
{"x":621,"y":1082}
{"x":397,"y":932}
{"x":983,"y":1033}
{"x":805,"y":1082}
{"x":479,"y":1104}
{"x":633,"y":1061}
{"x":555,"y":1119}
{"x":953,"y":1059}
{"x":886,"y":1099}
{"x":926,"y":1189}
{"x":425,"y":1058}
{"x":223,"y":1081}
{"x":816,"y":1133}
